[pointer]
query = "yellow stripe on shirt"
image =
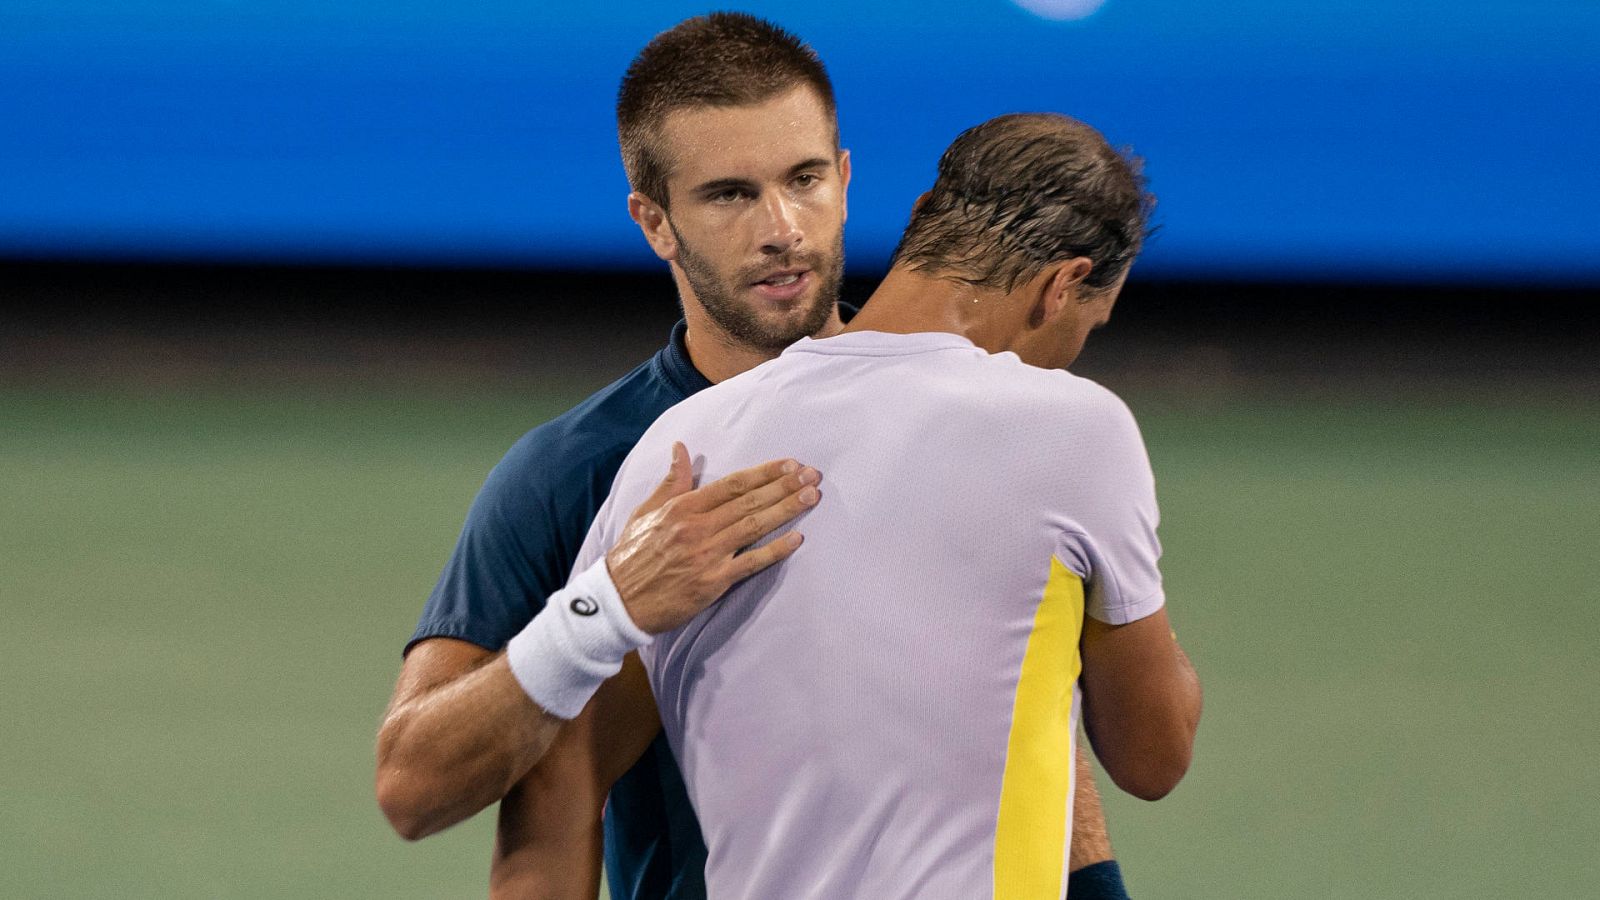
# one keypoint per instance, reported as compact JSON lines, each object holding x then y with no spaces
{"x":1030,"y":840}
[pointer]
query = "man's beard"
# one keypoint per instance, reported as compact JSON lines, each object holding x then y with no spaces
{"x":740,"y":321}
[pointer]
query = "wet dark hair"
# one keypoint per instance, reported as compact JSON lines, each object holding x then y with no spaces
{"x":720,"y":59}
{"x":1022,"y":191}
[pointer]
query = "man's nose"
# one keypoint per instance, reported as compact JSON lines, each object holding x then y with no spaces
{"x":781,"y":227}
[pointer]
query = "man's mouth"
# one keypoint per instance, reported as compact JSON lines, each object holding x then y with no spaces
{"x":786,"y":284}
{"x":787,"y":276}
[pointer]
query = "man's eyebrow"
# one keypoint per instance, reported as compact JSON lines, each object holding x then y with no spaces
{"x":813,"y":163}
{"x":718,"y":185}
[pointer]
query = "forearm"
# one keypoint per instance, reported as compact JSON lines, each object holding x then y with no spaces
{"x":449,"y":753}
{"x":549,"y":843}
{"x":461,"y":731}
{"x":1090,"y":842}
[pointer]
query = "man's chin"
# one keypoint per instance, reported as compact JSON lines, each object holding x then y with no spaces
{"x":802,"y":319}
{"x":757,"y":319}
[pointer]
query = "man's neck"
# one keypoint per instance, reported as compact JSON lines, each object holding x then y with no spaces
{"x":909,"y":302}
{"x":718,"y":358}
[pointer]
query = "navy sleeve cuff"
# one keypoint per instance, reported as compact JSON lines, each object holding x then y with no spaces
{"x":462,"y":629}
{"x":1101,"y":881}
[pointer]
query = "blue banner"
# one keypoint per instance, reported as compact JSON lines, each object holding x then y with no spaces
{"x":1430,"y":140}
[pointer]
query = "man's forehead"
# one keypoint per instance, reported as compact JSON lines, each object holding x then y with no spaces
{"x":754,"y":141}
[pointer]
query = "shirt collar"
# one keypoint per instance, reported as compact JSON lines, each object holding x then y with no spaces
{"x":674,"y":365}
{"x":676,"y":369}
{"x":881,"y":343}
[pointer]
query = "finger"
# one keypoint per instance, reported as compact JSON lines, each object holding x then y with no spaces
{"x":737,"y":484}
{"x":761,"y":499}
{"x":746,"y":564}
{"x":746,"y":530}
{"x":679,"y":480}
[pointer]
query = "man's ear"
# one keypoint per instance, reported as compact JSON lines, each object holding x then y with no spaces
{"x":917,"y":204}
{"x":1060,"y":290}
{"x":844,"y":185}
{"x":652,"y":220}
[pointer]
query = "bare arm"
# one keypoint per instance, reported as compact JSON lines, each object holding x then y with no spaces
{"x":461,"y":730}
{"x":549,"y":843}
{"x":1141,"y":703}
{"x":1090,"y":843}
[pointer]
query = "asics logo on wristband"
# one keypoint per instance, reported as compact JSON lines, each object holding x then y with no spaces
{"x":574,"y":643}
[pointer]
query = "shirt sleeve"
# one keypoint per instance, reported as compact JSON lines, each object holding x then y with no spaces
{"x":515,"y":549}
{"x":1111,"y":516}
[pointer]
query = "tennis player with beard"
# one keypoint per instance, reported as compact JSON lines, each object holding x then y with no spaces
{"x":730,"y":140}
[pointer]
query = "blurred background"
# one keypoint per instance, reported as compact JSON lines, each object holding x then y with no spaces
{"x":280,"y":281}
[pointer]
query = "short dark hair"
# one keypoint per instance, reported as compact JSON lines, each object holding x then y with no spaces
{"x":720,"y":59}
{"x":1025,"y":190}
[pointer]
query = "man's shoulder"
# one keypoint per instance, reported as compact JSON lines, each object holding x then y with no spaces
{"x":1048,"y":423}
{"x":1014,"y":388}
{"x":587,"y":442}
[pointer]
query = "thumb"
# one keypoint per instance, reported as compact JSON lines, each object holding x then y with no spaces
{"x":679,"y":480}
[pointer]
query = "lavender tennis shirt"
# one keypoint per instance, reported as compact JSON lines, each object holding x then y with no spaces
{"x":891,"y":712}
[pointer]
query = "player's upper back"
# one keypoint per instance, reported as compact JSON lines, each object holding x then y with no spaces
{"x":842,"y":719}
{"x":910,"y":427}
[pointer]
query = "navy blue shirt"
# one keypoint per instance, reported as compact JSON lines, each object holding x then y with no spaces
{"x":517,"y":547}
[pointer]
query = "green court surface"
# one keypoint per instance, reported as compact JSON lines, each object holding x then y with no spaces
{"x":1393,"y":608}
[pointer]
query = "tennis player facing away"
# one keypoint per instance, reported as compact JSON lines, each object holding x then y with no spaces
{"x":891,"y":711}
{"x":731,"y":143}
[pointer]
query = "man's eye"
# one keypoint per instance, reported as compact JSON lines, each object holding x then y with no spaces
{"x":728,"y":196}
{"x":809,"y":179}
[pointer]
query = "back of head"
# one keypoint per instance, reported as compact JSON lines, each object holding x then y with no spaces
{"x":1022,"y":191}
{"x":720,"y":59}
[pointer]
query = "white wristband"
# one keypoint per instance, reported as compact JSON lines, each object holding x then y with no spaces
{"x":576,"y":642}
